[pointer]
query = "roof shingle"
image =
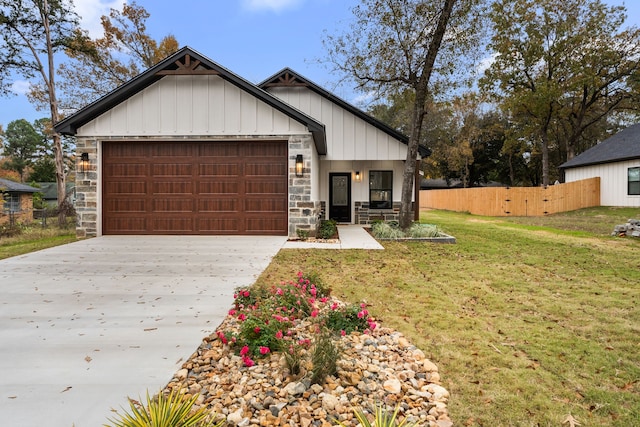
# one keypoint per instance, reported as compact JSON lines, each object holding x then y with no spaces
{"x":625,"y":145}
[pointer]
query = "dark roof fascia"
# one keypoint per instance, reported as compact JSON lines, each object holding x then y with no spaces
{"x":424,"y":152}
{"x":70,"y":125}
{"x":9,"y":186}
{"x":567,"y":165}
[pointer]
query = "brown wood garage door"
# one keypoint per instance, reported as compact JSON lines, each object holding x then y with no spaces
{"x":195,"y":188}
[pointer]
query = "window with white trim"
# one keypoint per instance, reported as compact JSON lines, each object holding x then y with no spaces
{"x":633,"y":181}
{"x":380,"y":189}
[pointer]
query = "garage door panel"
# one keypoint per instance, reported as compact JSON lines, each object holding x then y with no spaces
{"x":219,"y":170}
{"x":128,"y":170}
{"x":176,"y":151}
{"x":265,"y":205}
{"x":173,"y":205}
{"x":126,"y":188}
{"x":265,"y":187}
{"x":172,"y":225}
{"x":215,"y":187}
{"x":219,"y":205}
{"x":219,"y":149}
{"x":126,"y":224}
{"x":253,"y":169}
{"x":218,"y":187}
{"x":218,"y":225}
{"x":264,"y":149}
{"x":265,"y":225}
{"x":129,"y":205}
{"x":172,"y":170}
{"x":172,"y":187}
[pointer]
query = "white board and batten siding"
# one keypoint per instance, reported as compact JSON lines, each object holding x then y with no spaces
{"x":348,"y":136}
{"x":192,"y":105}
{"x":613,"y":181}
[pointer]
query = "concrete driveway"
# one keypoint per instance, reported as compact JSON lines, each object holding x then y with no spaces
{"x":84,"y":325}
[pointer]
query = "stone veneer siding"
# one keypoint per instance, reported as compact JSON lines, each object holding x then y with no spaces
{"x":87,"y":190}
{"x":366,"y":216}
{"x":303,"y":212}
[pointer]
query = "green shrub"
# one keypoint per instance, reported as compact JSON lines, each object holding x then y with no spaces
{"x":347,"y":319}
{"x":324,"y":358}
{"x":424,"y":231}
{"x":175,"y":410}
{"x":328,"y":228}
{"x":302,"y":234}
{"x":391,"y":230}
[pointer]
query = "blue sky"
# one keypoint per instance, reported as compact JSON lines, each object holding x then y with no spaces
{"x":252,"y":38}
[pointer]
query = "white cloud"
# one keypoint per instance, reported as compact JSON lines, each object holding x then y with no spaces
{"x":486,"y":63}
{"x":90,"y":12}
{"x":274,"y":5}
{"x":20,"y":87}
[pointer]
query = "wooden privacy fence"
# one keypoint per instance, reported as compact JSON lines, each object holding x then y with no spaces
{"x":515,"y":201}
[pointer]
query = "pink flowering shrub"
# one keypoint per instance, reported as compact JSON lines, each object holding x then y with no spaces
{"x":265,"y":319}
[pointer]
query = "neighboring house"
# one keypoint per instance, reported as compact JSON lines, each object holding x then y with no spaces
{"x":188,"y":147}
{"x":49,"y":192}
{"x":616,"y":161}
{"x":17,"y":202}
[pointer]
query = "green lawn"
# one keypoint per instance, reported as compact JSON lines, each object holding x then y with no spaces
{"x":529,"y":319}
{"x":35,"y":238}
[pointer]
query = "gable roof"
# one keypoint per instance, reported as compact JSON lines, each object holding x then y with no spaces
{"x":16,"y":187}
{"x":624,"y":145}
{"x":289,"y":78}
{"x":187,"y":61}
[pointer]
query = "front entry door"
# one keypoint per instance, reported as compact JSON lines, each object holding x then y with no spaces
{"x":340,"y":197}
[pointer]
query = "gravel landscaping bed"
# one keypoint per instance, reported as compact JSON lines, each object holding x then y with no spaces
{"x":380,"y":367}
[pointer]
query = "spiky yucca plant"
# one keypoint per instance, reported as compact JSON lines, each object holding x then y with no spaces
{"x":174,"y":410}
{"x":382,"y":418}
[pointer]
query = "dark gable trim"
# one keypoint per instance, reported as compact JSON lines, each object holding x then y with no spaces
{"x":289,"y":78}
{"x":187,"y":61}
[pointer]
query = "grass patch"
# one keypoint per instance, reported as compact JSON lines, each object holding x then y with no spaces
{"x":34,"y":239}
{"x":528,"y":319}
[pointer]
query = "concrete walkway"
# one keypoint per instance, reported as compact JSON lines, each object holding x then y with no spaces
{"x":84,"y":325}
{"x":351,"y":237}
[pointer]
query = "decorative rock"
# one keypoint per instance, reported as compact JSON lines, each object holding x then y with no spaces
{"x":329,"y":402}
{"x":439,"y":393}
{"x":393,"y":386}
{"x":182,"y":374}
{"x":379,"y":366}
{"x":295,"y":388}
{"x":236,"y":417}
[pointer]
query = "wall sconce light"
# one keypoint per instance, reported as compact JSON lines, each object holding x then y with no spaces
{"x":358,"y":176}
{"x":84,"y":162}
{"x":299,"y":166}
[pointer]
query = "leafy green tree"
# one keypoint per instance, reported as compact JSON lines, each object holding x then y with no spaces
{"x":21,"y":142}
{"x":562,"y":68}
{"x":31,"y":33}
{"x":98,"y":66}
{"x":43,"y":170}
{"x":398,"y":45}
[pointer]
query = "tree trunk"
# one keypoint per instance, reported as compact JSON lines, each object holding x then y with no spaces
{"x":53,"y":107}
{"x":421,"y":87}
{"x":545,"y":158}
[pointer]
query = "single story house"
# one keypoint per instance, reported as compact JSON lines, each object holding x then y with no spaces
{"x":188,"y":147}
{"x":17,"y":201}
{"x":616,"y":161}
{"x":49,"y":192}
